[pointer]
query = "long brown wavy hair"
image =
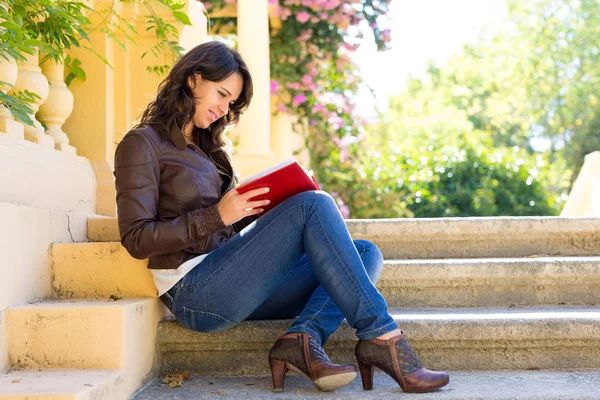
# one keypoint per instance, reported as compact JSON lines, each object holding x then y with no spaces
{"x":175,"y":103}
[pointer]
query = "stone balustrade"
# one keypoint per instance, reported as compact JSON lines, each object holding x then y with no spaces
{"x":53,"y":105}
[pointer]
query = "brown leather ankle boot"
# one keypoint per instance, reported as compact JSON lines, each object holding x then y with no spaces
{"x":301,"y":353}
{"x":396,"y":358}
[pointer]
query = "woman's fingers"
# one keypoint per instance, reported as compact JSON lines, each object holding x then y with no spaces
{"x":253,"y":193}
{"x":254,"y":204}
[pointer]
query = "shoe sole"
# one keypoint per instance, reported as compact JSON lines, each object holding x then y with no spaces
{"x":327,"y":383}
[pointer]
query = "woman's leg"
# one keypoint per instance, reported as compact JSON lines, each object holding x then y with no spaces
{"x":300,"y":294}
{"x":234,"y":280}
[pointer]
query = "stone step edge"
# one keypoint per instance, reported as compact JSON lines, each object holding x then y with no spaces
{"x":102,"y":229}
{"x":92,"y":384}
{"x":485,"y":327}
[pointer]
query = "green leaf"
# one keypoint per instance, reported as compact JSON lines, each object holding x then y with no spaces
{"x":183,"y":17}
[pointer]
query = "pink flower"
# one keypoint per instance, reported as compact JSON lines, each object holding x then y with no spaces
{"x":307,"y":3}
{"x":274,"y":86}
{"x":230,"y":1}
{"x":285,"y":13}
{"x":298,"y":99}
{"x":335,"y":121}
{"x":304,"y":36}
{"x":306,"y":80}
{"x":350,"y":47}
{"x":345,"y":210}
{"x":282,"y":108}
{"x":386,"y":35}
{"x":272,"y":1}
{"x":318,"y":108}
{"x":302,"y":17}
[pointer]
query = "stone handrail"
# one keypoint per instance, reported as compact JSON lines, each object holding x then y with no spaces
{"x":584,"y":199}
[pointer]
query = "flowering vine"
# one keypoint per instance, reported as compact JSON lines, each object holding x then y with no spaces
{"x":312,"y":73}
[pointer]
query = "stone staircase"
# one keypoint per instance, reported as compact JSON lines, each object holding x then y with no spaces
{"x":472,"y":294}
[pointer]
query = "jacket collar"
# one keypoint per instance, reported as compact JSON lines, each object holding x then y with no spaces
{"x":177,"y":136}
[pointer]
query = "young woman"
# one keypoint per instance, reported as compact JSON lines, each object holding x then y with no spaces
{"x":215,"y":264}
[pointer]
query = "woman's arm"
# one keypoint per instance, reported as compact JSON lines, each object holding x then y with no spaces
{"x":137,"y":174}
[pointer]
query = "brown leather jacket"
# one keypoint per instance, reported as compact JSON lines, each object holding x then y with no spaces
{"x":167,"y":197}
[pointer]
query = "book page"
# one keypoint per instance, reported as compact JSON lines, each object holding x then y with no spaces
{"x":267,"y":171}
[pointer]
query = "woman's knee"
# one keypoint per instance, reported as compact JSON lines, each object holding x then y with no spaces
{"x":371,"y":256}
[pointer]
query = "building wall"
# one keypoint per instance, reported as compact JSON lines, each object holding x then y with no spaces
{"x":45,"y":197}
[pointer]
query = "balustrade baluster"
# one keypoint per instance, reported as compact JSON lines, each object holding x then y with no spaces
{"x":58,"y":106}
{"x":30,"y":78}
{"x":8,"y":74}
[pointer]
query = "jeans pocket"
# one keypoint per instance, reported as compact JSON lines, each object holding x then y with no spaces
{"x":205,"y":322}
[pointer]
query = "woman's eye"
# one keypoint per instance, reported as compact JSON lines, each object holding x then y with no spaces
{"x":222,"y":94}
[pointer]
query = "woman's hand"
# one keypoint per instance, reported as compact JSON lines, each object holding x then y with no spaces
{"x":235,"y":206}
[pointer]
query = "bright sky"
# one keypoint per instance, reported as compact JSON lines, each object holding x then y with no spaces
{"x":420,"y":30}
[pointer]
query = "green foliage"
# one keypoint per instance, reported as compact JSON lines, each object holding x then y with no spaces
{"x":525,"y":96}
{"x":18,"y":104}
{"x":55,"y":26}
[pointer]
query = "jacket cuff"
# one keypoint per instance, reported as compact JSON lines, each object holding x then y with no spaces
{"x":202,"y":223}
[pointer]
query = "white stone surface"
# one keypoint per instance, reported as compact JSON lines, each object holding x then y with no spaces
{"x":61,"y":385}
{"x":45,"y":178}
{"x":492,"y":385}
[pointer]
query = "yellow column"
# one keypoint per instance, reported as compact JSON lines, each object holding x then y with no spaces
{"x":255,"y":125}
{"x":91,"y":126}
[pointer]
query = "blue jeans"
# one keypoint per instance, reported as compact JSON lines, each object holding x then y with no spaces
{"x":296,"y":260}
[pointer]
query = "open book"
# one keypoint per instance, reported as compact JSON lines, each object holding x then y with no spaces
{"x":284,"y":179}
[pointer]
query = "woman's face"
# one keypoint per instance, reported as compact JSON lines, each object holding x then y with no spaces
{"x":214,"y":98}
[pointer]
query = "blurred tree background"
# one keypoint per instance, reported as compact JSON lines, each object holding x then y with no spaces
{"x":500,"y":129}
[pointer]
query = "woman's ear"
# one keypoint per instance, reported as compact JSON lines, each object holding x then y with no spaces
{"x":193,"y":79}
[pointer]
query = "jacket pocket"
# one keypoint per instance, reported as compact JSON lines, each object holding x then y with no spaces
{"x":201,"y":321}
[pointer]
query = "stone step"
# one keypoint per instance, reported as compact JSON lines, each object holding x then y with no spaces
{"x":497,"y":282}
{"x":104,"y":269}
{"x":460,"y":339}
{"x":474,"y":237}
{"x":98,"y":271}
{"x":62,"y":385}
{"x":85,"y":334}
{"x":492,"y":385}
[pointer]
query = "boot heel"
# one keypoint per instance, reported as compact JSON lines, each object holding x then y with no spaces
{"x":366,"y":374}
{"x":278,"y":370}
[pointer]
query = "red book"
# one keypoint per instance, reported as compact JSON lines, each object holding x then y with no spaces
{"x":284,"y":179}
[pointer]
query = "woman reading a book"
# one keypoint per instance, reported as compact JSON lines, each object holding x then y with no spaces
{"x":216,"y":263}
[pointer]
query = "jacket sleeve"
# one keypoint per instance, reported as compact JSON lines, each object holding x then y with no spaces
{"x":137,"y":178}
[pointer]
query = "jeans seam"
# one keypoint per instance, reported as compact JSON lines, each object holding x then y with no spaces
{"x":321,"y":309}
{"x":209,"y":314}
{"x":352,"y":280}
{"x":306,"y":329}
{"x":377,"y":329}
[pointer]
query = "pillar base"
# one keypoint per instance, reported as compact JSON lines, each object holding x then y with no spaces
{"x":66,"y":148}
{"x":12,"y":128}
{"x":38,"y":136}
{"x":247,"y":163}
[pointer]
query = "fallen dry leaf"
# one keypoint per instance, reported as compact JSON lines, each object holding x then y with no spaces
{"x":15,"y":381}
{"x":176,"y":379}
